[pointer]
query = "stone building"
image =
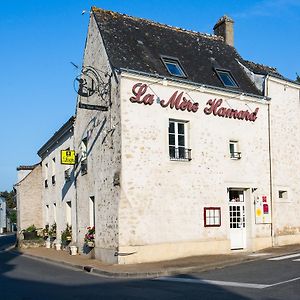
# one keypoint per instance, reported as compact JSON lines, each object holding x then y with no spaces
{"x":183,"y":147}
{"x":184,"y":152}
{"x":58,"y":191}
{"x":3,"y":216}
{"x":28,"y":196}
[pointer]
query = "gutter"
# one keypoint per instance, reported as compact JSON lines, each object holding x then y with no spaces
{"x":157,"y":76}
{"x":266,"y":90}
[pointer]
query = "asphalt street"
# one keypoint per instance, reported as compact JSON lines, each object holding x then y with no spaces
{"x":25,"y":278}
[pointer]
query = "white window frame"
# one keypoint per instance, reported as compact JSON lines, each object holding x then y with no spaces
{"x":69,"y":213}
{"x":178,"y":155}
{"x":175,"y":62}
{"x":229,"y":76}
{"x":92,"y":213}
{"x":234,"y":145}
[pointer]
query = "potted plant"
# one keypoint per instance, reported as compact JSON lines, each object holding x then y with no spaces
{"x":52,"y":231}
{"x":45,"y":231}
{"x":66,"y":235}
{"x":30,"y":233}
{"x":89,"y":237}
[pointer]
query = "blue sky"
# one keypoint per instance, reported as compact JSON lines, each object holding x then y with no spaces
{"x":40,"y":38}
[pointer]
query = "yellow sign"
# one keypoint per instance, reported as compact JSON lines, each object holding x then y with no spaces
{"x":68,"y":157}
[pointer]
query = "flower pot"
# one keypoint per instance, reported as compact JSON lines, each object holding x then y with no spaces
{"x":68,"y":238}
{"x":90,"y":244}
{"x":48,"y":244}
{"x":73,"y":250}
{"x":30,"y":235}
{"x":58,"y":246}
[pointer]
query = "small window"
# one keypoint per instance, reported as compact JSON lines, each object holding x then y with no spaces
{"x":233,"y":150}
{"x":212,"y":216}
{"x":67,"y":174}
{"x":173,"y":66}
{"x":282,"y":195}
{"x":226,"y":78}
{"x":83,"y":166}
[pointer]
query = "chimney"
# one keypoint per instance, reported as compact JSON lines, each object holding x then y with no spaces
{"x":224,"y":28}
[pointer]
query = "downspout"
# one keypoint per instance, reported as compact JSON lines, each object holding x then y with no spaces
{"x":266,"y":91}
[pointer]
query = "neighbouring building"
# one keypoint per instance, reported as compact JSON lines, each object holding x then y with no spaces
{"x":58,"y":191}
{"x":3,"y":216}
{"x":29,"y":196}
{"x":183,"y":147}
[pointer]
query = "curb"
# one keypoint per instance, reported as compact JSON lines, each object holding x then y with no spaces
{"x":154,"y":274}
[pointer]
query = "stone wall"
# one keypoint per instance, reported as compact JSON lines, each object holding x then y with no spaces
{"x":162,"y":201}
{"x":102,"y":130}
{"x":29,"y":199}
{"x":285,"y":141}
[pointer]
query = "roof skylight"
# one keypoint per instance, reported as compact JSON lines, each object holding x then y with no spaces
{"x":226,"y":78}
{"x":173,"y":66}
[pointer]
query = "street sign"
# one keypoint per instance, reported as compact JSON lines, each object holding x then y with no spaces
{"x":68,"y":157}
{"x":93,"y":107}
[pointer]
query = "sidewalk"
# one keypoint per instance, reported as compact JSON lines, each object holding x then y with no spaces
{"x":163,"y":268}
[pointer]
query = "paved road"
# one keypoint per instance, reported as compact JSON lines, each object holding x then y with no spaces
{"x":25,"y":278}
{"x":7,"y":240}
{"x":276,"y":278}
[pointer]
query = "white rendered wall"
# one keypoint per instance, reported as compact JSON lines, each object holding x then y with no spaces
{"x":162,"y":201}
{"x":285,"y":128}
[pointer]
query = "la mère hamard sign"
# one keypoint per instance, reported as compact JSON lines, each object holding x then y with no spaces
{"x":178,"y":101}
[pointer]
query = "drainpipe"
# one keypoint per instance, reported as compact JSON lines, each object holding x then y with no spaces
{"x":266,"y":91}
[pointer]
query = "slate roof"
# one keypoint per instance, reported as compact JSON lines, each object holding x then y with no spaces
{"x":261,"y":69}
{"x":137,"y":44}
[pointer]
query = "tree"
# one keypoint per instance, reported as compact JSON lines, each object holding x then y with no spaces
{"x":297,"y":78}
{"x":10,"y":199}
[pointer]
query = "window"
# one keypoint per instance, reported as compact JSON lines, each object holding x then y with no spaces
{"x":173,"y":66}
{"x":53,"y":166}
{"x":53,"y":179}
{"x":92,"y":211}
{"x":46,"y":170}
{"x":233,"y":149}
{"x":226,"y":78}
{"x":46,"y":183}
{"x":212,"y":216}
{"x":67,"y":174}
{"x":54,"y":212}
{"x":69,"y":213}
{"x":178,"y":141}
{"x":282,"y":195}
{"x":83,"y":166}
{"x":47,"y":214}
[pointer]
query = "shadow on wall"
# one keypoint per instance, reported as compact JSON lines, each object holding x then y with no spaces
{"x":76,"y":170}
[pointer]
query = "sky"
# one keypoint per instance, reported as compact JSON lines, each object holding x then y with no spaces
{"x":40,"y":39}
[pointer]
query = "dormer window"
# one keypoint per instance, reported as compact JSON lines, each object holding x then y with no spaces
{"x":226,"y":78}
{"x":173,"y":66}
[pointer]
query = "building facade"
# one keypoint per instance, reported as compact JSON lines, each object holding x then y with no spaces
{"x":29,"y":197}
{"x":187,"y":158}
{"x":3,"y":216}
{"x":58,"y":192}
{"x":183,"y":147}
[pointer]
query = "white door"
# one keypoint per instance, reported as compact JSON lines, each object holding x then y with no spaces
{"x":237,"y":220}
